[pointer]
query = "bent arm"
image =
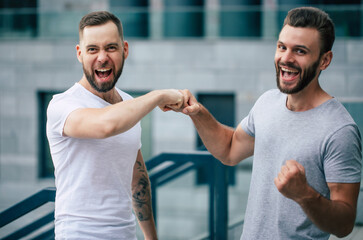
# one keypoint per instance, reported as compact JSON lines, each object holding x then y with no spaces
{"x":117,"y":118}
{"x":226,"y":144}
{"x":141,"y":198}
{"x":337,"y":215}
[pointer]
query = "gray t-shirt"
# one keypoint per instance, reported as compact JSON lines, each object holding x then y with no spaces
{"x":325,"y":140}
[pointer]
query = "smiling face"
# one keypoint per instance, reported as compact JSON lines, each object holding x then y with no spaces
{"x":297,"y":58}
{"x":102,"y":54}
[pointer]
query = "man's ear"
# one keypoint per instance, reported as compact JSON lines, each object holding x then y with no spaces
{"x":79,"y":52}
{"x":326,"y":60}
{"x":126,"y":49}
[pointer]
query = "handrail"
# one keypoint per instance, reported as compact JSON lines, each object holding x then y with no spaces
{"x":29,"y":204}
{"x":181,"y":163}
{"x":162,"y":169}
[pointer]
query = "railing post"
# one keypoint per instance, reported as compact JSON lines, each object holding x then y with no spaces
{"x":221,"y":200}
{"x":153,"y":201}
{"x":212,"y":215}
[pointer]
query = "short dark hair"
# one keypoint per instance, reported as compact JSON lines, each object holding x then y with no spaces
{"x":311,"y":17}
{"x":99,"y":18}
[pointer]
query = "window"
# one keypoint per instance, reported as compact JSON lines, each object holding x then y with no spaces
{"x":222,"y":107}
{"x":18,"y":18}
{"x":183,"y":18}
{"x":134,"y":16}
{"x":46,"y":168}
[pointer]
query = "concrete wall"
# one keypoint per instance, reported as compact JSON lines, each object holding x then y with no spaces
{"x":243,"y":67}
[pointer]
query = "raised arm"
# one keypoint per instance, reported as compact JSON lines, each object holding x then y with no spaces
{"x":141,"y":199}
{"x":226,"y":144}
{"x":119,"y":117}
{"x":335,"y":215}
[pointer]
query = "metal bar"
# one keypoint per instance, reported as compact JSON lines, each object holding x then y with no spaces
{"x":221,"y":198}
{"x":153,"y":201}
{"x":48,"y":235}
{"x":163,"y":171}
{"x":176,"y":173}
{"x":211,"y":184}
{"x":27,"y":205}
{"x":31,"y":227}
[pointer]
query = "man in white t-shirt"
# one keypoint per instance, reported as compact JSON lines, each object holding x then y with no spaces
{"x":94,"y":136}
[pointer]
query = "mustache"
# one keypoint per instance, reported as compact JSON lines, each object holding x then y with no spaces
{"x":103,"y":65}
{"x":289,"y":65}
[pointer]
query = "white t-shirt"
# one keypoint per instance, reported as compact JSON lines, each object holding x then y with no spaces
{"x":92,"y":176}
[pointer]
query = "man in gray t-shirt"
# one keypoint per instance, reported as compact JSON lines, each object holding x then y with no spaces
{"x":307,"y":149}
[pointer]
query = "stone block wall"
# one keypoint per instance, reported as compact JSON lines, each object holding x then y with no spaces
{"x":244,"y":67}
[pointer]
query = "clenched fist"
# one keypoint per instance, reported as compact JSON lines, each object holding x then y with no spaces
{"x":291,"y":181}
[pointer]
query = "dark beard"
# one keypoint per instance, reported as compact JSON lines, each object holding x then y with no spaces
{"x":309,"y":75}
{"x":107,"y":86}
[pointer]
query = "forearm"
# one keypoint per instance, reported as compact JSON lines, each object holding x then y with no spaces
{"x":216,"y":137}
{"x":335,"y":217}
{"x":143,"y":212}
{"x":141,"y":199}
{"x":124,"y":115}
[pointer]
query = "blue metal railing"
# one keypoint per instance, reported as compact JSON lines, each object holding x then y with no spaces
{"x":162,"y":169}
{"x":168,"y":166}
{"x":20,"y":209}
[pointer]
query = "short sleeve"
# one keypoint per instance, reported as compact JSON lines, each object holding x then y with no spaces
{"x":248,"y":124}
{"x":58,"y":112}
{"x":343,"y":157}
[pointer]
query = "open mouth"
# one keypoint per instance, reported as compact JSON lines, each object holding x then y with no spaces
{"x":289,"y":74}
{"x":103,"y":73}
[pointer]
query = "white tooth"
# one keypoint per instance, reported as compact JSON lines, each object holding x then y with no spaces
{"x":287,"y":70}
{"x":102,"y":70}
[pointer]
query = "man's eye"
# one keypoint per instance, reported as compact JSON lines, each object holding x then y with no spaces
{"x":112,"y":48}
{"x":300,"y":51}
{"x":281,"y":47}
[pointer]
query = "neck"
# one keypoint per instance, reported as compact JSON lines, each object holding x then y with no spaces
{"x":308,"y":98}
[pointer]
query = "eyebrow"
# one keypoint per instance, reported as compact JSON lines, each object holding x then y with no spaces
{"x":95,"y":46}
{"x":297,"y":46}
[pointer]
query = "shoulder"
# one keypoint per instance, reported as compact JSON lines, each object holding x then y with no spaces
{"x":70,"y":99}
{"x":271,"y":97}
{"x":272,"y":94}
{"x":339,"y":122}
{"x":338,"y":113}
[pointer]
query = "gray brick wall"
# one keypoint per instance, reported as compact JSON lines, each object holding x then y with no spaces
{"x":243,"y":67}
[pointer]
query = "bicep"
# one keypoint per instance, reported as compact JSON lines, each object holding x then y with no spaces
{"x":242,"y":145}
{"x":84,"y":123}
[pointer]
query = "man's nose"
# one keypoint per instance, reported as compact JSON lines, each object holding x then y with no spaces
{"x":287,"y":56}
{"x":102,"y":57}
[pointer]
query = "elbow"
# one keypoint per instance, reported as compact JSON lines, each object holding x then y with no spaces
{"x":106,"y":130}
{"x":345,"y":231}
{"x":228,"y":161}
{"x":109,"y":128}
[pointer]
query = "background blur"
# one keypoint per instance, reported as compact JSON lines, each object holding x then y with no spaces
{"x":222,"y":50}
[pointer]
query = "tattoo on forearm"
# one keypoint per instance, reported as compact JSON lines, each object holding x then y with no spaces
{"x":141,"y":195}
{"x":140,"y":166}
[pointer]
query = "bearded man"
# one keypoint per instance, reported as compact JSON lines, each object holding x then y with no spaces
{"x":306,"y":147}
{"x":94,"y":137}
